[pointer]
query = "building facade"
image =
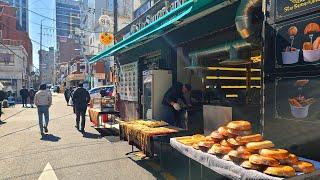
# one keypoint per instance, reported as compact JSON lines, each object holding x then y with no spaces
{"x":11,"y":35}
{"x":21,"y":13}
{"x":13,"y":74}
{"x":47,"y":67}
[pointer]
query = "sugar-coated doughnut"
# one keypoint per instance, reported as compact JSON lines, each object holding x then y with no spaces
{"x":250,"y":138}
{"x":304,"y":167}
{"x":241,"y":155}
{"x":239,"y":133}
{"x":219,"y":149}
{"x":234,"y":142}
{"x":260,"y":145}
{"x":282,"y":171}
{"x":246,"y":164}
{"x":239,"y":125}
{"x":290,"y":160}
{"x":261,"y":160}
{"x":278,"y":154}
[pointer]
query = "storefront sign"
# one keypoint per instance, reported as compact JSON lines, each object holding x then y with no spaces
{"x":154,"y":17}
{"x":129,"y":82}
{"x":294,"y":7}
{"x":105,"y":21}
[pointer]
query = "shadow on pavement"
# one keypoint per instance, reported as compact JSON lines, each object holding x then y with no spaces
{"x":91,"y":135}
{"x":50,"y":137}
{"x":2,"y":122}
{"x":112,"y":139}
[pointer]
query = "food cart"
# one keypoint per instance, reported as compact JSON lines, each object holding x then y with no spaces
{"x":102,"y":112}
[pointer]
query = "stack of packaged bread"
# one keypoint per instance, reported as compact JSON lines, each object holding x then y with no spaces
{"x":236,"y":142}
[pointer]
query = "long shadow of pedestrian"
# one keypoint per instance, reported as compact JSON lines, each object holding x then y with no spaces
{"x":50,"y":137}
{"x":2,"y":122}
{"x":91,"y":135}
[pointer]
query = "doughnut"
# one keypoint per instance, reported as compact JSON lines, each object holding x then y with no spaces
{"x":282,"y":171}
{"x":226,"y":157}
{"x":246,"y":164}
{"x":261,"y":160}
{"x":239,"y":125}
{"x":195,"y":146}
{"x":293,"y":31}
{"x":290,"y":160}
{"x":224,"y":131}
{"x":311,"y":28}
{"x":216,"y":135}
{"x":307,"y":46}
{"x":234,"y":142}
{"x":219,"y":149}
{"x":210,"y":138}
{"x":241,"y":155}
{"x":205,"y":145}
{"x":239,"y":133}
{"x":226,"y":143}
{"x":245,"y":149}
{"x":278,"y":154}
{"x":304,"y":167}
{"x":260,"y":145}
{"x":250,"y":138}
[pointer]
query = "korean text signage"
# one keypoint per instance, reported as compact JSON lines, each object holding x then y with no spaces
{"x":286,"y":8}
{"x":129,"y":82}
{"x":168,"y":7}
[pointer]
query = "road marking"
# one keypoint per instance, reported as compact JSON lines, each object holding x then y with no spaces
{"x":48,"y":173}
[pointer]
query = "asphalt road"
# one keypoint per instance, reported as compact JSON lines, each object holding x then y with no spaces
{"x":66,"y":153}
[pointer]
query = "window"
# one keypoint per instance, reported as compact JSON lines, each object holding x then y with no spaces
{"x":6,"y":59}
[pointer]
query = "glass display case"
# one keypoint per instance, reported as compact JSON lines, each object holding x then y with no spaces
{"x":103,"y":103}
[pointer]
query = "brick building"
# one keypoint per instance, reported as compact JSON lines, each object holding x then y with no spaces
{"x":9,"y":32}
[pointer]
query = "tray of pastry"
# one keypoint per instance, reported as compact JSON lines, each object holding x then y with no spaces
{"x":237,"y":143}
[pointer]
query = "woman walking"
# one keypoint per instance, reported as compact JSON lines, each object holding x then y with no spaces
{"x":43,"y":101}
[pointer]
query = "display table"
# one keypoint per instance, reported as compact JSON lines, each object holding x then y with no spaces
{"x":143,"y":137}
{"x":227,"y":168}
{"x":95,"y":113}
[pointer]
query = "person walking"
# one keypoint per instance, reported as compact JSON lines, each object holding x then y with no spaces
{"x":81,"y":99}
{"x":43,"y":101}
{"x":2,"y":97}
{"x":24,"y":95}
{"x":67,"y":95}
{"x":31,"y":96}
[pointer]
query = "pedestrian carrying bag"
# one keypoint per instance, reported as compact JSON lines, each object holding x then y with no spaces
{"x":70,"y":103}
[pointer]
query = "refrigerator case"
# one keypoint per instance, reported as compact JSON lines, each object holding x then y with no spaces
{"x":155,"y":85}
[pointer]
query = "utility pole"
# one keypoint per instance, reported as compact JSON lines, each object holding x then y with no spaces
{"x":40,"y":53}
{"x":115,"y":16}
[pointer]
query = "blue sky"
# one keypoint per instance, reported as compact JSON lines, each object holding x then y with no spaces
{"x":45,"y":8}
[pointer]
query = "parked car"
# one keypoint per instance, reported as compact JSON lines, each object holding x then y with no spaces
{"x":95,"y":92}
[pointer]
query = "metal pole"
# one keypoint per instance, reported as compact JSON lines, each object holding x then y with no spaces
{"x":115,"y":16}
{"x":40,"y":54}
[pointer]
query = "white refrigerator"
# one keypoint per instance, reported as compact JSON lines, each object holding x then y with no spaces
{"x":155,"y":85}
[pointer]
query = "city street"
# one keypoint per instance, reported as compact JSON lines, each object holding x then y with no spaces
{"x":65,"y":153}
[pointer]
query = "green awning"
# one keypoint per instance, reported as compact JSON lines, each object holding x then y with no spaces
{"x":161,"y":24}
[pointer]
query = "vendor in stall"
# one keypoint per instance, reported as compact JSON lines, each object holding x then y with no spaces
{"x":172,"y":108}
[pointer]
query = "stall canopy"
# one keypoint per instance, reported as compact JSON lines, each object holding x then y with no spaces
{"x":165,"y":22}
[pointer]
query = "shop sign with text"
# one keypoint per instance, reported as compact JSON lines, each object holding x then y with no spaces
{"x":286,"y":8}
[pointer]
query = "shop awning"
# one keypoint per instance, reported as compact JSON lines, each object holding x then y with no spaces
{"x":166,"y":21}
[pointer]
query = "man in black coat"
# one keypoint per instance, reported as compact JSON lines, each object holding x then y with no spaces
{"x":171,"y":105}
{"x":24,"y":93}
{"x":81,"y":99}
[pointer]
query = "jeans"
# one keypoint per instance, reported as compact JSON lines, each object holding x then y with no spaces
{"x":24,"y":101}
{"x":81,"y":111}
{"x":173,"y":117}
{"x":43,"y":110}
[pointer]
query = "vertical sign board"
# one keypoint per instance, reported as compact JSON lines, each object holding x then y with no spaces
{"x":129,"y":82}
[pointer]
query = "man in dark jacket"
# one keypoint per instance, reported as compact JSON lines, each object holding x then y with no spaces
{"x":24,"y":93}
{"x":171,"y":105}
{"x":67,"y":95}
{"x":2,"y":97}
{"x":81,"y":99}
{"x":32,"y":93}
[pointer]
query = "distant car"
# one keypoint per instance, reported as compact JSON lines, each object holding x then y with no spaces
{"x":95,"y":92}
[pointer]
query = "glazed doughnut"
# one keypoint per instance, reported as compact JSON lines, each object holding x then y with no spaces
{"x":205,"y":145}
{"x":239,"y":125}
{"x":234,"y":142}
{"x":261,"y":160}
{"x":304,"y":167}
{"x":241,"y":155}
{"x":290,"y":160}
{"x":219,"y":149}
{"x":239,"y":133}
{"x":216,"y":135}
{"x":282,"y":171}
{"x":226,"y":157}
{"x":224,"y":131}
{"x":250,"y":138}
{"x":245,"y":149}
{"x":246,"y":164}
{"x":311,"y":28}
{"x":226,"y":143}
{"x":278,"y":154}
{"x":260,"y":145}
